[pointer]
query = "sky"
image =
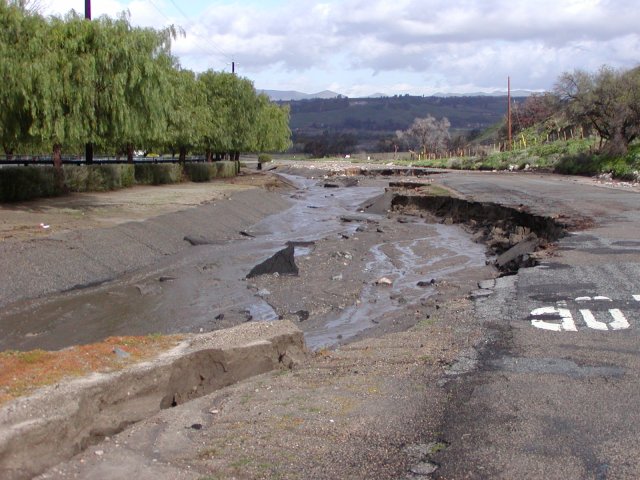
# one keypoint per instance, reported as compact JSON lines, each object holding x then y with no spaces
{"x":365,"y":47}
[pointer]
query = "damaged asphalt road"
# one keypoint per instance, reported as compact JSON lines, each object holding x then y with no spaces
{"x":556,"y":393}
{"x":532,"y":376}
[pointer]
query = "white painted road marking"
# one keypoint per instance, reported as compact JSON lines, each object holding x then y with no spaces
{"x":591,"y":321}
{"x":620,"y":322}
{"x":567,"y":323}
{"x":565,"y":315}
{"x":586,"y":299}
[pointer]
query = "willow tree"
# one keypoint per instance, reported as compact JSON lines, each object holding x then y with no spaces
{"x":186,"y":122}
{"x":215,"y":89}
{"x":132,"y":84}
{"x":243,"y":103}
{"x":22,"y":39}
{"x":61,"y":102}
{"x":28,"y":6}
{"x":272,"y":133}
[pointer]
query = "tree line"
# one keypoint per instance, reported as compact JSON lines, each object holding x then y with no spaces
{"x":605,"y":103}
{"x":68,"y":82}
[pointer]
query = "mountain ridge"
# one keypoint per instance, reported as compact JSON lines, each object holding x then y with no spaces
{"x":294,"y":95}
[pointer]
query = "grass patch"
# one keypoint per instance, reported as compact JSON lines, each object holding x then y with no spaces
{"x":426,"y":322}
{"x":240,"y":463}
{"x":438,"y":447}
{"x":21,"y":373}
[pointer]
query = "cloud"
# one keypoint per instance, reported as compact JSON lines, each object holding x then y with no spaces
{"x":462,"y":42}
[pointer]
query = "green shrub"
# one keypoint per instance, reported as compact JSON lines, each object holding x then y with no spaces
{"x":225,"y":169}
{"x":158,"y":173}
{"x":127,"y":175}
{"x":75,"y":177}
{"x":203,"y":172}
{"x":198,"y":172}
{"x":25,"y":183}
{"x":98,"y":178}
{"x":264,"y":158}
{"x":582,"y":164}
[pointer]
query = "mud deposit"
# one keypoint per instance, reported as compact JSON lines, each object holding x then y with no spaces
{"x":342,"y":251}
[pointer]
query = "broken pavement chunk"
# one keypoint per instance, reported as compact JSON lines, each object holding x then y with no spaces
{"x":282,"y":263}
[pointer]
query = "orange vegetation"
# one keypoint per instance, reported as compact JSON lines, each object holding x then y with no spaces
{"x":23,"y":372}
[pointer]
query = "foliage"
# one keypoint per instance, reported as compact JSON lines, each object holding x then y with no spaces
{"x":21,"y":373}
{"x":68,"y":82}
{"x":537,"y":110}
{"x":26,"y":183}
{"x":608,"y":101}
{"x":203,"y":172}
{"x":158,"y":173}
{"x":98,"y":178}
{"x":328,"y":144}
{"x":264,"y":158}
{"x":272,"y":126}
{"x":198,"y":172}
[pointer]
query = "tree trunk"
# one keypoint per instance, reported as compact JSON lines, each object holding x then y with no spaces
{"x":208,"y":156}
{"x":616,"y":146}
{"x":183,"y":155}
{"x":130,"y":152}
{"x":8,"y":153}
{"x":88,"y":153}
{"x":236,"y":158}
{"x":218,"y":156}
{"x":57,"y":155}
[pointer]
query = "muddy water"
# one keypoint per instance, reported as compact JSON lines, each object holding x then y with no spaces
{"x":405,"y":264}
{"x":204,"y":287}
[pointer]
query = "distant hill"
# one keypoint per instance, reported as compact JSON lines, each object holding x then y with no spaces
{"x":388,"y":114}
{"x":292,"y":95}
{"x":369,"y":120}
{"x":495,"y":93}
{"x":285,"y":96}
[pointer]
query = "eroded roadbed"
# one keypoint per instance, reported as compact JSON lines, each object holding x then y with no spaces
{"x":418,"y":402}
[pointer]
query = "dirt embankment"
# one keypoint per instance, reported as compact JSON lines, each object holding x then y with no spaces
{"x":517,"y":237}
{"x":82,"y":240}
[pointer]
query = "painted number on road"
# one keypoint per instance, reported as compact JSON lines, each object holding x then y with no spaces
{"x":560,"y":318}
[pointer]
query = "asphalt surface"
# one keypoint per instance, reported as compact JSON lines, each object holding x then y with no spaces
{"x":558,"y":389}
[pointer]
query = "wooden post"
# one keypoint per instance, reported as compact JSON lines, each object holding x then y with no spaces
{"x":509,"y":109}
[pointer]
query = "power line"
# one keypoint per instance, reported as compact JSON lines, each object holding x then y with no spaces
{"x":208,"y":47}
{"x":180,"y":10}
{"x":158,"y":10}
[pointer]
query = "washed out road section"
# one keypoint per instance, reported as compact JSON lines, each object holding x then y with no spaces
{"x":191,"y":289}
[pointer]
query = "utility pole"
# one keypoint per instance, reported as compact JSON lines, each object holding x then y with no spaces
{"x":233,"y":67}
{"x":509,"y":109}
{"x":88,"y":152}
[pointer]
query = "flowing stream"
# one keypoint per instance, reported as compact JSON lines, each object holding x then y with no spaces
{"x":204,"y":285}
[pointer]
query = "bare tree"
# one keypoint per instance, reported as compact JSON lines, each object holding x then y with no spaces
{"x":427,"y":134}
